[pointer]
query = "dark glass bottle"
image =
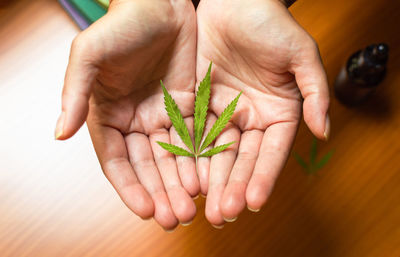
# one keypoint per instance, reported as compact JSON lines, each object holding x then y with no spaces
{"x":364,"y":70}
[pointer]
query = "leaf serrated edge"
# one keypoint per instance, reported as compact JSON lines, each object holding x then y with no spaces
{"x":175,"y":149}
{"x":216,"y":150}
{"x":201,"y":108}
{"x":179,"y":124}
{"x":220,"y":123}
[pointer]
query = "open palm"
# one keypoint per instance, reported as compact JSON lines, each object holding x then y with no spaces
{"x":259,"y":49}
{"x":113,"y":82}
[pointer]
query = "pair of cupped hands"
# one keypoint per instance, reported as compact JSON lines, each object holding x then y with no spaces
{"x":113,"y":83}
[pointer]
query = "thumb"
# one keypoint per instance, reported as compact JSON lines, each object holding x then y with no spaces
{"x":78,"y":82}
{"x":312,"y":82}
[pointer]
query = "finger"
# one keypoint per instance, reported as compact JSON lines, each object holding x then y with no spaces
{"x":203,"y":163}
{"x":186,"y":165}
{"x":274,"y":151}
{"x":220,"y":169}
{"x":181,"y":202}
{"x":234,"y":198}
{"x":313,"y":84}
{"x":141,"y":157}
{"x":113,"y":156}
{"x":79,"y":78}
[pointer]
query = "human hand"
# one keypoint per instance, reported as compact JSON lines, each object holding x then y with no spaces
{"x":113,"y":82}
{"x":257,"y":48}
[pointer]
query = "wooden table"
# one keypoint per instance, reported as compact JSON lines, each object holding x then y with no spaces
{"x":56,"y":202}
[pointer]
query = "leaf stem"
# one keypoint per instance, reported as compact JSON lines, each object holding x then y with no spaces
{"x":197,"y":170}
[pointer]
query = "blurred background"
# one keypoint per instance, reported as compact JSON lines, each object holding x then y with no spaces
{"x":55,"y":201}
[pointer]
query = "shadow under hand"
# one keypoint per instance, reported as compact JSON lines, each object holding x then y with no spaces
{"x":284,"y":227}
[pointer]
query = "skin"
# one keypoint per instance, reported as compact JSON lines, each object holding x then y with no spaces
{"x":113,"y":82}
{"x":258,"y":48}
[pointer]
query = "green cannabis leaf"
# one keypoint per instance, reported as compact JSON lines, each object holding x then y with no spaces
{"x":201,"y":107}
{"x":200,"y":113}
{"x":313,"y":166}
{"x":221,"y":122}
{"x":175,"y":149}
{"x":216,"y":150}
{"x":176,"y":118}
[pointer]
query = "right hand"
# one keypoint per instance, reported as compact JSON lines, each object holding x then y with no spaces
{"x":113,"y":82}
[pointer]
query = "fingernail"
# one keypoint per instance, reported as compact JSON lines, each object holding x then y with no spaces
{"x":186,"y":223}
{"x":230,"y":220}
{"x":169,"y":230}
{"x":217,"y":226}
{"x":195,"y":197}
{"x":327,"y":127}
{"x":253,"y":210}
{"x":202,"y":195}
{"x":60,"y":125}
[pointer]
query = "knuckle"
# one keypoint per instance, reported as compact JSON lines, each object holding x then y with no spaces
{"x":78,"y":42}
{"x":311,"y":43}
{"x":166,"y":160}
{"x":247,"y":155}
{"x":80,"y":45}
{"x":143,"y":164}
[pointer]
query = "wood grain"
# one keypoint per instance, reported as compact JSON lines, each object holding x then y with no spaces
{"x":56,"y":202}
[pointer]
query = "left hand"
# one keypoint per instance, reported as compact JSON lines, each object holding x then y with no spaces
{"x":257,"y":48}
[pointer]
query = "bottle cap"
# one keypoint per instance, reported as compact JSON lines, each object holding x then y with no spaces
{"x":377,"y":54}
